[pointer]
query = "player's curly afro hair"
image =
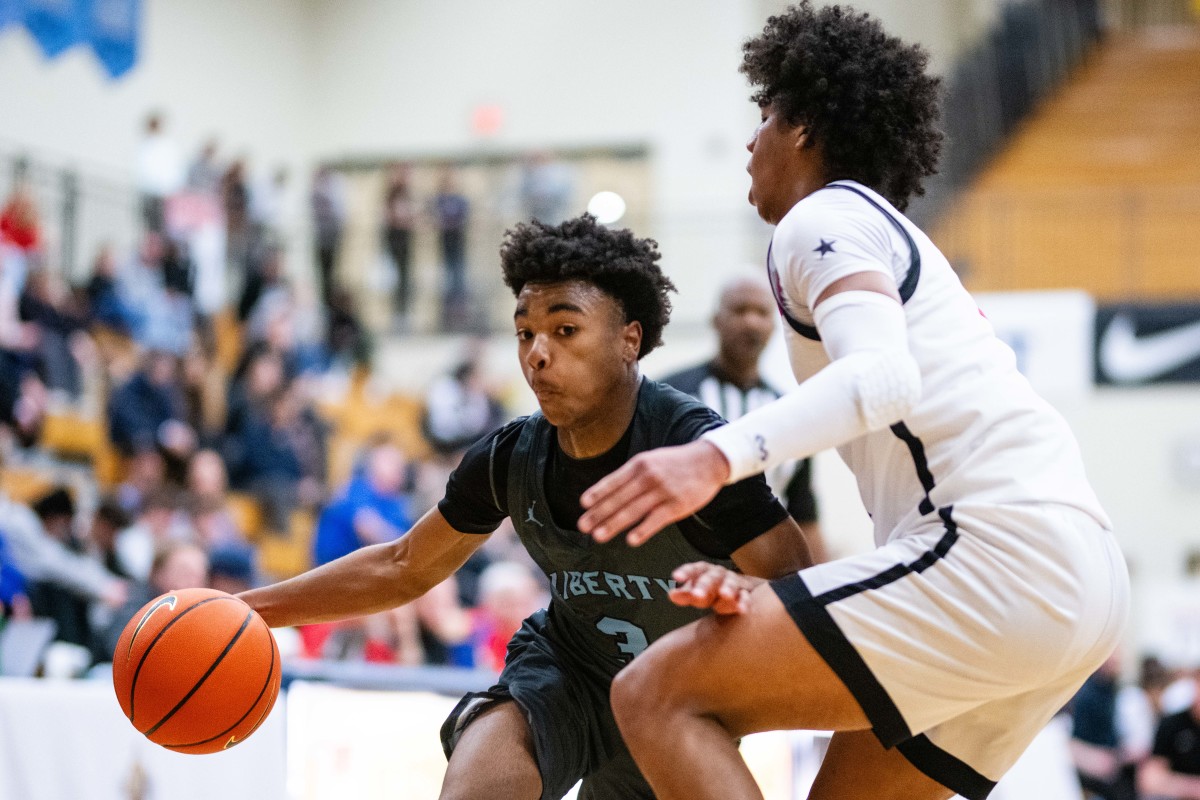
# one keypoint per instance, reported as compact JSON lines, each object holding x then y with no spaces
{"x":620,"y":265}
{"x":863,"y":94}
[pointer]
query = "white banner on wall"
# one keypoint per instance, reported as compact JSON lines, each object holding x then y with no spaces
{"x":69,"y":739}
{"x":384,"y":745}
{"x":1051,"y":334}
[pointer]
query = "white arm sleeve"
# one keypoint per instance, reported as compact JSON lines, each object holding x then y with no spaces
{"x":871,"y":382}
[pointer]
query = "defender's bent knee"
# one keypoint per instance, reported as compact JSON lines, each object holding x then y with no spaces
{"x":648,"y":691}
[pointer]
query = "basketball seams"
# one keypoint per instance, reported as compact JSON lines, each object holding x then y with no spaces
{"x":266,"y":684}
{"x":209,"y":671}
{"x":138,"y":670}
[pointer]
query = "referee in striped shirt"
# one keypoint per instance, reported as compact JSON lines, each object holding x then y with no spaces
{"x":731,"y":385}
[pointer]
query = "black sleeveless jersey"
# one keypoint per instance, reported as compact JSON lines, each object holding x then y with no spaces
{"x":608,"y":601}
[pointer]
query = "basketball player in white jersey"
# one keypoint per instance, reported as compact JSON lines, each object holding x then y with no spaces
{"x":996,"y":587}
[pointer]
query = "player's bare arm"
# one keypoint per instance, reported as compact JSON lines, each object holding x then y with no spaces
{"x":368,"y":580}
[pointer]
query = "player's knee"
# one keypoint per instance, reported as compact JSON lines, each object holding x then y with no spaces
{"x":641,"y":695}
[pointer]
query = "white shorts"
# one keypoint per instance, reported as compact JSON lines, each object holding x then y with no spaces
{"x":961,"y":639}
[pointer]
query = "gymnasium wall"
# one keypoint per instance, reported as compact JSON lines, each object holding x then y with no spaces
{"x":232,"y":69}
{"x":297,"y":81}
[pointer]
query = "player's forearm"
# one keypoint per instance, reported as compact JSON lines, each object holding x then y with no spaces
{"x":364,"y":582}
{"x":835,"y":406}
{"x":871,"y":382}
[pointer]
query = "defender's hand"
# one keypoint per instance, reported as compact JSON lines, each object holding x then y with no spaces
{"x":706,"y":585}
{"x":652,"y":490}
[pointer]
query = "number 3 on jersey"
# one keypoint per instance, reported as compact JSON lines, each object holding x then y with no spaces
{"x":633,"y":638}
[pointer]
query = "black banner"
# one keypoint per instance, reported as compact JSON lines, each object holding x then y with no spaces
{"x":1142,"y":343}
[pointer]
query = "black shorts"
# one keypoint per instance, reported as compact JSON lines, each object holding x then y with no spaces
{"x":574,"y":734}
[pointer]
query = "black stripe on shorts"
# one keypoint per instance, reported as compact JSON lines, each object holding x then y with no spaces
{"x":946,"y":769}
{"x":811,"y":615}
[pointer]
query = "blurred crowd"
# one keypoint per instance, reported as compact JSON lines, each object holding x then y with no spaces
{"x":1140,"y":738}
{"x":208,"y":375}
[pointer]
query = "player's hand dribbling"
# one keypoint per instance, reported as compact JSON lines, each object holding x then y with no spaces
{"x":652,"y":490}
{"x":706,"y":585}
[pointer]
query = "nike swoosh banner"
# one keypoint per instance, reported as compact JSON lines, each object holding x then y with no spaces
{"x":56,"y":25}
{"x":1143,"y":344}
{"x":112,"y":32}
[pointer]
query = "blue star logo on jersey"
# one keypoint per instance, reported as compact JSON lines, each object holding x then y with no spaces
{"x":825,"y":247}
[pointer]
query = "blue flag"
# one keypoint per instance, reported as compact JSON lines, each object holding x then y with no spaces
{"x":112,"y":32}
{"x":56,"y":25}
{"x":11,"y":11}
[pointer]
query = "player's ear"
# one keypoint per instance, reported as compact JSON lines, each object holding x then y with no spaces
{"x":631,"y":340}
{"x":802,"y":139}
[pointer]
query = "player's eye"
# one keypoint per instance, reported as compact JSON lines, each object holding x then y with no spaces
{"x":524,"y":335}
{"x":566,"y":330}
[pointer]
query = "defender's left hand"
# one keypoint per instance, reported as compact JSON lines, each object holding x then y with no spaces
{"x":706,"y":585}
{"x":652,"y":490}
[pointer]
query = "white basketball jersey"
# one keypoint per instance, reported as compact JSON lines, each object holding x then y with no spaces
{"x":980,"y":435}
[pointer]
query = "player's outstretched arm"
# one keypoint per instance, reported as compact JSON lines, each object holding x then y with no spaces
{"x":368,"y":580}
{"x":871,"y":382}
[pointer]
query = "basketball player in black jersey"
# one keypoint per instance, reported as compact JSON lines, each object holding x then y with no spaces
{"x":591,"y":301}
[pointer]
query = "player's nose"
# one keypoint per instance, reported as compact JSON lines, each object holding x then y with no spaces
{"x":539,"y":355}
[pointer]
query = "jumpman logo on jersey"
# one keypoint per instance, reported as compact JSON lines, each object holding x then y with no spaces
{"x":532,"y":518}
{"x":825,"y":247}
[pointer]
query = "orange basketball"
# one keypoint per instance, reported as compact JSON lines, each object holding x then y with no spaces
{"x":196,"y":671}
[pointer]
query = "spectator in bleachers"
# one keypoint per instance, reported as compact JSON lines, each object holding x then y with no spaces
{"x":149,"y":413}
{"x":328,"y":204}
{"x":261,"y":374}
{"x":159,"y":172}
{"x":235,"y":202}
{"x":231,"y":568}
{"x":54,"y":571}
{"x":281,"y":459}
{"x":108,"y":520}
{"x":64,"y":348}
{"x":18,"y":339}
{"x":399,"y":218}
{"x":451,"y":211}
{"x":105,"y":304}
{"x":508,"y":593}
{"x":267,"y":203}
{"x":159,"y":523}
{"x":286,"y":319}
{"x":459,"y":409}
{"x":370,"y":509}
{"x":205,"y":172}
{"x":175,"y":565}
{"x":68,"y":609}
{"x":145,"y":474}
{"x":1172,"y":772}
{"x":20,"y":237}
{"x":170,"y":323}
{"x":140,"y":284}
{"x":346,"y":340}
{"x":273,"y":326}
{"x":205,"y":394}
{"x":14,"y":597}
{"x":1097,"y":741}
{"x":23,"y":401}
{"x":206,"y":501}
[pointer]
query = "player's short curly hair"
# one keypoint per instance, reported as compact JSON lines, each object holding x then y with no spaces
{"x":864,"y":95}
{"x":619,"y":264}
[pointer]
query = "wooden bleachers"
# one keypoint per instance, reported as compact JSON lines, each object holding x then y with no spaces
{"x":1100,"y":189}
